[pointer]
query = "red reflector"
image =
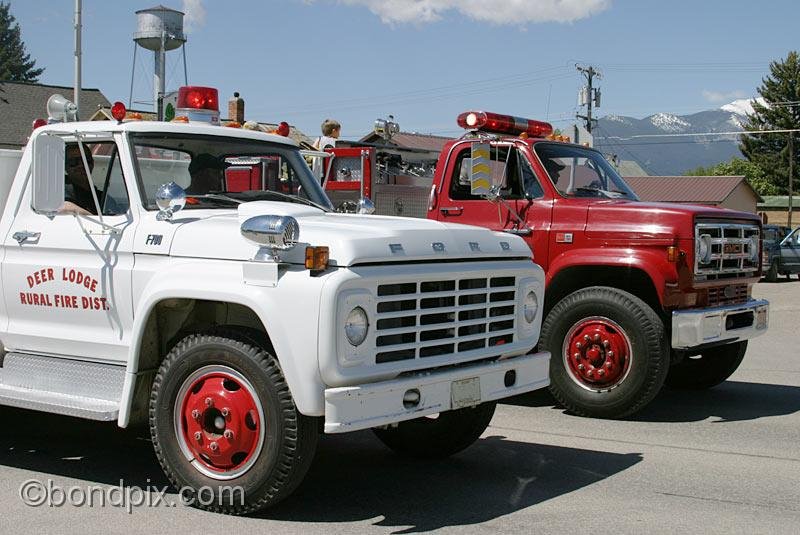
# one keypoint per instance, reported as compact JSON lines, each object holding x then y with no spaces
{"x":118,"y":111}
{"x":197,"y":97}
{"x":283,"y":129}
{"x":38,"y":122}
{"x":503,"y":124}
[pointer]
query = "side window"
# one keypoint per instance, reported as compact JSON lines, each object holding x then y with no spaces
{"x":510,"y":171}
{"x":107,"y":180}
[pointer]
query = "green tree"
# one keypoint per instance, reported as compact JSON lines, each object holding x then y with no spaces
{"x":779,"y":111}
{"x":16,"y":64}
{"x":752,"y":172}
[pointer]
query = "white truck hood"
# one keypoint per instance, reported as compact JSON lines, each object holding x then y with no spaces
{"x":351,"y":238}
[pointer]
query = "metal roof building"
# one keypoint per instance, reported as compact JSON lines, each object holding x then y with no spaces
{"x":732,"y":192}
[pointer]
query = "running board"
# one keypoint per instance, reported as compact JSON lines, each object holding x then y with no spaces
{"x":58,"y":385}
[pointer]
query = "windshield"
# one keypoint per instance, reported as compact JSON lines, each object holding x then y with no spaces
{"x":222,"y":172}
{"x":580,"y":172}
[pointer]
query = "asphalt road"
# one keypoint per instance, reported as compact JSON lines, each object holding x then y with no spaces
{"x":725,"y":460}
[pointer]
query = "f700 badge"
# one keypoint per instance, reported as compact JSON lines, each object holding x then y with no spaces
{"x":153,"y":239}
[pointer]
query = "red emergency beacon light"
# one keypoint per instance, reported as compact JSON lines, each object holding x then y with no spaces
{"x":283,"y":129}
{"x":198,"y":104}
{"x":503,"y":124}
{"x":118,"y":111}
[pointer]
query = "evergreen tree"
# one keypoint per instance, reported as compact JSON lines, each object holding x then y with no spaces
{"x":780,"y":111}
{"x":16,"y":64}
{"x":737,"y":166}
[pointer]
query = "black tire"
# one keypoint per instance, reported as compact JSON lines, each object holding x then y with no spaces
{"x":649,"y":352}
{"x":708,"y":369}
{"x":289,"y":438}
{"x":772,"y":273}
{"x":436,"y":438}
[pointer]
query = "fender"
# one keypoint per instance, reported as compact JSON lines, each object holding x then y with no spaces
{"x":282,"y":310}
{"x":651,"y":261}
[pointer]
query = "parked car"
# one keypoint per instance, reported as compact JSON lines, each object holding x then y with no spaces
{"x":781,"y":252}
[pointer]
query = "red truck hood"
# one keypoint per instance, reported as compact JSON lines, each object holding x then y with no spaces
{"x":633,"y":220}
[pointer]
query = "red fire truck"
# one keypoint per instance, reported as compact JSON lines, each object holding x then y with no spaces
{"x":638,"y":294}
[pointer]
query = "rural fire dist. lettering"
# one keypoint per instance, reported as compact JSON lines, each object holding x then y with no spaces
{"x":63,"y":300}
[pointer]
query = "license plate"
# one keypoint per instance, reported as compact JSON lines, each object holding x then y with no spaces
{"x":465,"y":393}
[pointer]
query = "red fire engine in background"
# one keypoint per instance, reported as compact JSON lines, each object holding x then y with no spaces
{"x":638,"y":294}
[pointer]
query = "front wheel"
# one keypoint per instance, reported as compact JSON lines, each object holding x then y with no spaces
{"x":772,"y":272}
{"x":609,"y":352}
{"x":224,"y":425}
{"x":712,"y":367}
{"x":440,"y":436}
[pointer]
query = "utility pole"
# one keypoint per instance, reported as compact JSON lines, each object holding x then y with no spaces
{"x":76,"y":96}
{"x":589,"y":95}
{"x":791,"y":175}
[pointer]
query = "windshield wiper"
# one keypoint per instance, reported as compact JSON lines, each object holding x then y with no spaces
{"x":215,"y":197}
{"x":287,"y":197}
{"x":587,"y":189}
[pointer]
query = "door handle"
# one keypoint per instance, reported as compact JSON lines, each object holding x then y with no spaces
{"x":452,"y":210}
{"x":518,"y":231}
{"x":24,"y":235}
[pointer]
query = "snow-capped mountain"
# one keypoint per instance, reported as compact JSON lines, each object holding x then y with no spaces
{"x":630,"y":138}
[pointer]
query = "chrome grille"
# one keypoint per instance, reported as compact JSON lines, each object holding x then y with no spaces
{"x":442,"y":317}
{"x":731,"y":253}
{"x":728,"y":295}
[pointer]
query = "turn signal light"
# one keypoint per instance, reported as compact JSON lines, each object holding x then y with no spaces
{"x":317,"y":258}
{"x":673,"y":254}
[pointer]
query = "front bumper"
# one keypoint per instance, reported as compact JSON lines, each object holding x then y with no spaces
{"x":351,"y":408}
{"x":731,"y":323}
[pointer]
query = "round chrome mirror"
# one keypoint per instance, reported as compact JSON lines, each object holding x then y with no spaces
{"x":272,"y":231}
{"x":366,"y":206}
{"x":170,"y":198}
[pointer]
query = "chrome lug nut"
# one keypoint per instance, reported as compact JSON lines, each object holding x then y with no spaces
{"x":586,"y":338}
{"x":225,"y":411}
{"x":609,"y":365}
{"x":606,"y":343}
{"x":228,"y":434}
{"x":209,"y":402}
{"x":610,"y":353}
{"x":581,"y":367}
{"x":601,"y":372}
{"x":577,"y":356}
{"x":196,"y":414}
{"x":214,"y":446}
{"x":579,"y":345}
{"x":198,"y":436}
{"x":596,"y":337}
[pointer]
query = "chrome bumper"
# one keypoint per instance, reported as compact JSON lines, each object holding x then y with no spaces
{"x":692,"y":328}
{"x":351,"y":408}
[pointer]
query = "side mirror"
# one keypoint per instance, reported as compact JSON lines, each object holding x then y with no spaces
{"x":170,"y":198}
{"x":47,"y":171}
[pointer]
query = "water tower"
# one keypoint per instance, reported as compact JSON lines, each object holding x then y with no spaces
{"x":159,"y":29}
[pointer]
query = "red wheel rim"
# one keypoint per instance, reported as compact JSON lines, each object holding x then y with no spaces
{"x":597,"y":353}
{"x":219,"y":422}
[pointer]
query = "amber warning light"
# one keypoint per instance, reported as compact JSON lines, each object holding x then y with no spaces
{"x":503,"y":124}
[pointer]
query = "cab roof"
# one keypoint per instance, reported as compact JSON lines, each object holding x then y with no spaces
{"x":163,"y":127}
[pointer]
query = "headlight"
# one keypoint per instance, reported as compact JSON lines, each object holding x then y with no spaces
{"x":530,"y":306}
{"x":356,"y":326}
{"x":703,"y":249}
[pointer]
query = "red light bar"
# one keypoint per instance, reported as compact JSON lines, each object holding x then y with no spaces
{"x":503,"y":124}
{"x":118,"y":111}
{"x":38,"y":123}
{"x":198,"y":98}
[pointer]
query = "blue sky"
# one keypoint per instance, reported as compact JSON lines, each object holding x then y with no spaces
{"x":425,"y":61}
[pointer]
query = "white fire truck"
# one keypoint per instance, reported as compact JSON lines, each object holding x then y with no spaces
{"x":153,"y":286}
